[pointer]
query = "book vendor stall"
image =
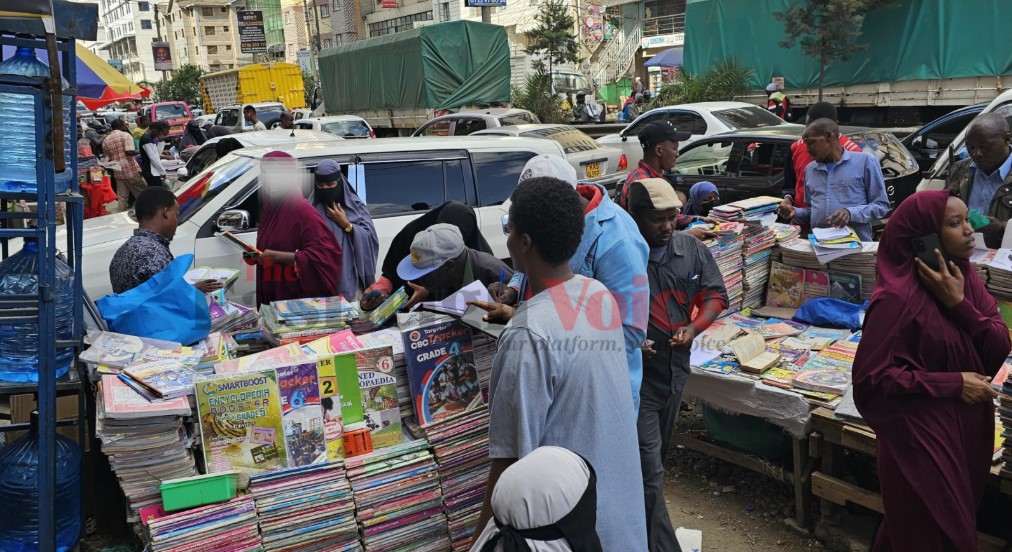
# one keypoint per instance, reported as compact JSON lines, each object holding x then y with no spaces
{"x":321,"y":439}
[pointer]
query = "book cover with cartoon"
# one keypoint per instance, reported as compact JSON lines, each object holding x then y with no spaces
{"x":378,"y":386}
{"x":301,"y":414}
{"x":785,"y":286}
{"x":441,"y":369}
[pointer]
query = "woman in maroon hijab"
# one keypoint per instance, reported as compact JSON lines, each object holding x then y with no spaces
{"x":300,"y":257}
{"x":932,"y":341}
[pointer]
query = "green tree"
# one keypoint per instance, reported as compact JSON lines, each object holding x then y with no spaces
{"x":827,"y":30}
{"x":186,"y":84}
{"x":537,"y":97}
{"x":726,"y":80}
{"x":555,"y":36}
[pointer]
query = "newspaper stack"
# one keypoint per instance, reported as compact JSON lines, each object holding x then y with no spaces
{"x":306,"y":509}
{"x":999,"y":269}
{"x":726,"y":251}
{"x":756,"y":253}
{"x":461,"y":447}
{"x":224,"y":527}
{"x":799,"y":253}
{"x":391,"y":337}
{"x":980,"y":259}
{"x":398,"y":498}
{"x":144,"y":440}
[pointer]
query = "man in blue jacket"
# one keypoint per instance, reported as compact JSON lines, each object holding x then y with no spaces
{"x":612,"y":252}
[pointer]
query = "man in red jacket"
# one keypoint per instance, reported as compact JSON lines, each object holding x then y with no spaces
{"x":798,"y":158}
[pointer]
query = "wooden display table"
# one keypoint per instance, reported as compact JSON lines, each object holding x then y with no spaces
{"x":831,"y":436}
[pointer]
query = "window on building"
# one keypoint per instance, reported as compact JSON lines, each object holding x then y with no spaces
{"x":130,"y":27}
{"x":225,"y":29}
{"x":328,"y":43}
{"x":288,"y":18}
{"x":207,"y":12}
{"x":337,"y":5}
{"x":224,"y":9}
{"x":208,"y":31}
{"x":212,"y":50}
{"x":146,"y":24}
{"x":324,"y":11}
{"x":228,"y":47}
{"x":444,"y":10}
{"x":143,"y":6}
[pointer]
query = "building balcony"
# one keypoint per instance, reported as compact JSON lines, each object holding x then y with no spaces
{"x":664,"y":25}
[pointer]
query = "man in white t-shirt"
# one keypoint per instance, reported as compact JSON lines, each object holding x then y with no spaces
{"x":250,"y":114}
{"x":560,"y":375}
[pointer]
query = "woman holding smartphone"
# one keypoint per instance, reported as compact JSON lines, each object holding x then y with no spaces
{"x":932,"y":341}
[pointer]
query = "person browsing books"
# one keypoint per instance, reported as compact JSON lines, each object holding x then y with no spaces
{"x":842,"y":187}
{"x":798,"y":157}
{"x":348,"y":219}
{"x":933,"y":339}
{"x":559,"y":377}
{"x":686,"y":295}
{"x":611,"y":251}
{"x":299,"y":257}
{"x":147,"y":252}
{"x":439,"y":264}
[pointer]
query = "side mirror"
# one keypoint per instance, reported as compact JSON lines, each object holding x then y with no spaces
{"x":931,"y":143}
{"x":917,"y":142}
{"x":233,"y":220}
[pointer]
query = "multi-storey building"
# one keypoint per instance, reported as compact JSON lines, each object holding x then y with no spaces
{"x":131,"y":26}
{"x":204,"y":33}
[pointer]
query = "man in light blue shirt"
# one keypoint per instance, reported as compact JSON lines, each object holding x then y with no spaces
{"x":843,"y":188}
{"x":983,"y":180}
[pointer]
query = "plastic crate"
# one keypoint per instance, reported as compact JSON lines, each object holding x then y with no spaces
{"x":190,"y":492}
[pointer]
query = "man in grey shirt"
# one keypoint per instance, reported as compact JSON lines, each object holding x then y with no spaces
{"x":560,"y":376}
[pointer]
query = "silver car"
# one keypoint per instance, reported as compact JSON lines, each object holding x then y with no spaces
{"x":593,"y":162}
{"x":469,"y":121}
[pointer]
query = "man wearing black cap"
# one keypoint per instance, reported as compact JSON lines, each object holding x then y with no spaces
{"x":660,"y":152}
{"x":686,"y":295}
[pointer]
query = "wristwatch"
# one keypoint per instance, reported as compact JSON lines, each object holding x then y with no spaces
{"x":348,"y":229}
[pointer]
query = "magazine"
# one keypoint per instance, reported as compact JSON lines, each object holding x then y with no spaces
{"x":785,"y":286}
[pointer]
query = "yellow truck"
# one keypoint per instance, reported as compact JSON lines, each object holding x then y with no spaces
{"x":261,"y":82}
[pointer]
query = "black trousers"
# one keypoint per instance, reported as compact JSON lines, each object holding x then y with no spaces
{"x":154,"y":180}
{"x":659,"y":404}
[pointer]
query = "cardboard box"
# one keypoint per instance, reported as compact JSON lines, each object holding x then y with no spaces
{"x":17,"y":409}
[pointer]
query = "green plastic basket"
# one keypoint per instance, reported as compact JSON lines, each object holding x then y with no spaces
{"x":190,"y":492}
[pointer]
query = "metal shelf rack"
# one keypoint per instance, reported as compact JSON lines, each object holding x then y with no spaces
{"x":41,"y":308}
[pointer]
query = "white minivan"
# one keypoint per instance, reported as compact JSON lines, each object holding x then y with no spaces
{"x":935,"y":178}
{"x":399,"y":179}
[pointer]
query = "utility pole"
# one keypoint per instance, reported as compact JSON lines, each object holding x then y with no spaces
{"x":158,"y":30}
{"x":309,"y":35}
{"x":486,"y":14}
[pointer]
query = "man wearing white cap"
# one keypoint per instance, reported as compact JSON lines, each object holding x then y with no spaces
{"x":440,"y":264}
{"x":611,"y":252}
{"x":686,"y":295}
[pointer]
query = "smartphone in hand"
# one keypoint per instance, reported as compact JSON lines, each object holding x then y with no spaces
{"x":924,"y":249}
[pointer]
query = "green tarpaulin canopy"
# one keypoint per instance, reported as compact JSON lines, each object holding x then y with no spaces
{"x":441,"y":66}
{"x":915,"y":40}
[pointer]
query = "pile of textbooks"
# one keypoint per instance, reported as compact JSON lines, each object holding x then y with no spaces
{"x":306,"y":509}
{"x":726,"y":251}
{"x":381,"y":314}
{"x":226,"y":527}
{"x":110,"y":352}
{"x":144,"y":440}
{"x":785,"y":232}
{"x":757,"y":209}
{"x":461,"y":447}
{"x":392,"y":338}
{"x":1003,"y":425}
{"x":999,"y":268}
{"x":305,"y":320}
{"x":756,"y":253}
{"x":800,"y":253}
{"x":398,"y":499}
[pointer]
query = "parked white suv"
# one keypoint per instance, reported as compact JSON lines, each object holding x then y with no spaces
{"x":468,"y":121}
{"x":268,"y":113}
{"x":399,"y":179}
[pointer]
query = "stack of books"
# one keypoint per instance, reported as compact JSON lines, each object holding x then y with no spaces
{"x":398,"y":499}
{"x":485,"y":348}
{"x":757,"y":209}
{"x":999,"y":269}
{"x":726,"y":251}
{"x":382,"y":314}
{"x":305,"y":320}
{"x":144,"y":440}
{"x":756,"y":253}
{"x":163,"y":378}
{"x":306,"y":509}
{"x":785,"y":232}
{"x":110,"y":352}
{"x":980,"y":259}
{"x":391,"y":337}
{"x":801,"y":254}
{"x":227,"y":527}
{"x":461,"y":447}
{"x":1003,"y":429}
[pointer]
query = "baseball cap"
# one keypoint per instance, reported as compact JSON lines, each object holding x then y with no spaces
{"x":551,"y":166}
{"x":660,"y":131}
{"x":327,"y":171}
{"x":652,"y":193}
{"x":772,"y":87}
{"x":430,"y":250}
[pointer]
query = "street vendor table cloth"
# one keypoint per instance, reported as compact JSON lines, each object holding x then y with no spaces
{"x":741,"y":395}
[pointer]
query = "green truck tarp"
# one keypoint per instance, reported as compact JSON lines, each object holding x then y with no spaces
{"x":441,"y":66}
{"x":915,"y":40}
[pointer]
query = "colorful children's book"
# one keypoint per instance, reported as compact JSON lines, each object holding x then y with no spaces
{"x":718,"y":366}
{"x":115,"y":350}
{"x":120,"y":402}
{"x":240,"y":423}
{"x":378,"y":386}
{"x":816,"y":285}
{"x":166,"y":378}
{"x":302,"y":414}
{"x":845,"y":286}
{"x":340,"y":399}
{"x":441,"y":370}
{"x":823,"y":381}
{"x":785,"y":286}
{"x":312,"y":309}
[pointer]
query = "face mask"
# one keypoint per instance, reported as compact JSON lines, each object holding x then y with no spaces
{"x":328,"y":196}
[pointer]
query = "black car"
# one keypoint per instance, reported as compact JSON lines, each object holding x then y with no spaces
{"x":749,"y":163}
{"x":930,"y":140}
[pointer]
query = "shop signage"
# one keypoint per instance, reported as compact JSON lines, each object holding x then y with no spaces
{"x":663,"y":41}
{"x":252,"y":37}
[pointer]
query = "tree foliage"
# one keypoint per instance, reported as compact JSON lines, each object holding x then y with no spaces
{"x":183,"y":86}
{"x":827,"y":30}
{"x":726,"y":80}
{"x":537,"y":97}
{"x":554,"y":39}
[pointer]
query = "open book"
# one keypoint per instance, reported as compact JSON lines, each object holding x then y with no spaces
{"x":227,"y":276}
{"x":752,"y":354}
{"x":456,"y":304}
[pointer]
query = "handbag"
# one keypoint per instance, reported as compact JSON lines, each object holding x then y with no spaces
{"x":165,"y":307}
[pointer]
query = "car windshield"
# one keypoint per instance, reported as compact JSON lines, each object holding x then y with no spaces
{"x":352,"y":129}
{"x":747,"y":117}
{"x":170,"y":111}
{"x":270,"y":109}
{"x":210,"y":183}
{"x":571,"y":139}
{"x":521,"y":118}
{"x":891,"y":154}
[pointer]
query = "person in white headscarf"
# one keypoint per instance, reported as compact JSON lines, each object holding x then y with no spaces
{"x":545,"y":502}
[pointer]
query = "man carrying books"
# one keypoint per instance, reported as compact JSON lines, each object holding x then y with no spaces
{"x":686,"y":295}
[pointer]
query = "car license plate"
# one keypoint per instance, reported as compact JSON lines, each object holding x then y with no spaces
{"x":593,"y":170}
